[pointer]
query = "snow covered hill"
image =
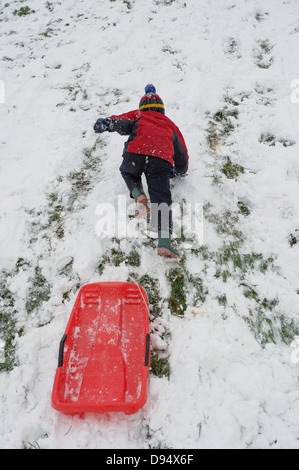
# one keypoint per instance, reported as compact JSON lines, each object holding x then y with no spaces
{"x":225,"y":319}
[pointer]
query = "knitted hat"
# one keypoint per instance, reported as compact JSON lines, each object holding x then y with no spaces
{"x":151,"y":101}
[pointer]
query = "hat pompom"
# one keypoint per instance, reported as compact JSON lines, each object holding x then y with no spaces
{"x":150,"y":89}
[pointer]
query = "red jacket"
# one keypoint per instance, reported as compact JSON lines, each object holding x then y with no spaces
{"x":152,"y":133}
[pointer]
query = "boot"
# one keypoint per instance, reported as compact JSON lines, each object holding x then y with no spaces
{"x":164,"y":245}
{"x":142,"y":208}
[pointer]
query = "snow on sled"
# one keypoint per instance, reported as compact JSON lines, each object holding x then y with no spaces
{"x":104,"y":355}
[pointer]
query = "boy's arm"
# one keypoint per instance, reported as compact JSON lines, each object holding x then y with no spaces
{"x":123,"y":124}
{"x":180,"y":157}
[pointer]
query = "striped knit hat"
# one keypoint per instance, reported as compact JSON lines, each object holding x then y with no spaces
{"x":151,"y":101}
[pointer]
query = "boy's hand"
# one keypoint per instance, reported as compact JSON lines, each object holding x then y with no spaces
{"x":102,"y":125}
{"x":175,"y":174}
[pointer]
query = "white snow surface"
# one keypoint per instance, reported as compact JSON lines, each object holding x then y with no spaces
{"x":64,"y":65}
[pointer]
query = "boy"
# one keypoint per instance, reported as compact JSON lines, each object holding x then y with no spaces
{"x":155,"y":148}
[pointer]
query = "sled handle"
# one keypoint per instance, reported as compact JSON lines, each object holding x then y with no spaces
{"x":60,"y":354}
{"x":147,"y":350}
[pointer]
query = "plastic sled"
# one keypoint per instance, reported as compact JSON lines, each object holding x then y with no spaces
{"x":104,"y":355}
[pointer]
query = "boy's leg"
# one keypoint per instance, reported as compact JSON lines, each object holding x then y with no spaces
{"x":157,"y":173}
{"x":131,"y":170}
{"x":142,"y":208}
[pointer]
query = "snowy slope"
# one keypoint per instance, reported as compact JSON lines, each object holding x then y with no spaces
{"x":224,"y":363}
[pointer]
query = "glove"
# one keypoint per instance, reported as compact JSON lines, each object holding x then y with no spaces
{"x":172,"y":173}
{"x":176,"y":174}
{"x":103,"y":125}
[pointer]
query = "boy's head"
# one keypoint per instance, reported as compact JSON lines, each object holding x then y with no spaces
{"x":151,"y":101}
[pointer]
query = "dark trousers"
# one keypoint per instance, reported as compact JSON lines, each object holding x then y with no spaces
{"x":156,"y":171}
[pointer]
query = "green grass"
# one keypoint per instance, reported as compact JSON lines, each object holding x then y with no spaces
{"x":159,"y":364}
{"x":232,"y":262}
{"x":263,"y":57}
{"x":177,"y":299}
{"x":232,"y":170}
{"x":23,"y":11}
{"x":243,"y":208}
{"x":222,"y":300}
{"x":231,"y":48}
{"x":223,"y":122}
{"x":200,"y":291}
{"x":293,"y":239}
{"x":152,"y":288}
{"x":8,"y":318}
{"x":7,"y":324}
{"x":133,"y":258}
{"x":270,"y":139}
{"x":261,"y":16}
{"x":225,"y":118}
{"x":38,"y":292}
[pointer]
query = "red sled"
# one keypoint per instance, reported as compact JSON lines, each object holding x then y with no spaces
{"x":104,"y":355}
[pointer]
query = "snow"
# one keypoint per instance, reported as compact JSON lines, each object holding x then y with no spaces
{"x":64,"y":65}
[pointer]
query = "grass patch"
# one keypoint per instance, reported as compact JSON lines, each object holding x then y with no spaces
{"x":82,"y":180}
{"x":231,"y":48}
{"x":265,"y":95}
{"x":271,"y":140}
{"x":225,"y":223}
{"x":23,"y":11}
{"x":200,"y":291}
{"x":267,"y":325}
{"x":293,"y":239}
{"x":232,"y":170}
{"x":243,"y":208}
{"x":128,"y":4}
{"x":177,"y":300}
{"x":151,"y":286}
{"x":8,"y":317}
{"x":234,"y":264}
{"x":51,"y":220}
{"x":133,"y":258}
{"x":231,"y":262}
{"x":223,"y":122}
{"x":55,"y":214}
{"x":159,"y":365}
{"x":7,"y":324}
{"x":262,"y":54}
{"x":264,"y":318}
{"x":39,"y":291}
{"x":48,"y":33}
{"x":116,"y":257}
{"x":261,"y":16}
{"x":222,"y":300}
{"x":50,"y":6}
